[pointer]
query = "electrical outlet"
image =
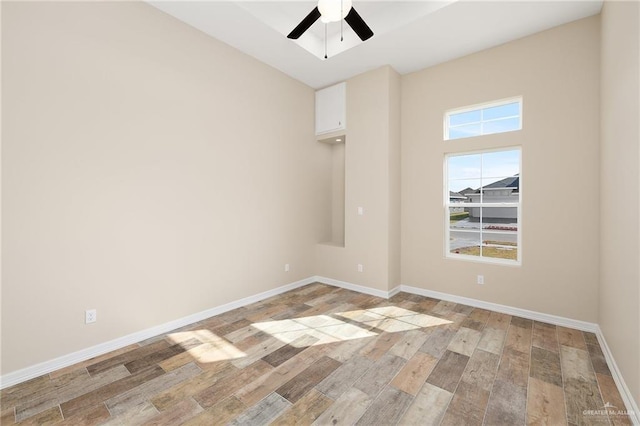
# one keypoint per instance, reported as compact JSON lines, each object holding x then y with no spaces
{"x":480,"y":279}
{"x":90,"y":315}
{"x":360,"y":267}
{"x":360,"y":211}
{"x":286,"y":267}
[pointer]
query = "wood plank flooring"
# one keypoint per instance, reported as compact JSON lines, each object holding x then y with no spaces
{"x":328,"y":356}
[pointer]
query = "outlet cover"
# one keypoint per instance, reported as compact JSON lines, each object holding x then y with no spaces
{"x":90,"y":316}
{"x":480,"y":279}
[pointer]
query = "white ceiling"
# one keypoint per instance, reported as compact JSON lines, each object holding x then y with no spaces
{"x":408,"y":35}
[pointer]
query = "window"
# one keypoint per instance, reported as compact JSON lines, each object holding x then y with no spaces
{"x":485,"y":119}
{"x":482,"y":206}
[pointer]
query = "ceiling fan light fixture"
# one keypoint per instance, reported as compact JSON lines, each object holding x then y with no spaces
{"x":333,"y":10}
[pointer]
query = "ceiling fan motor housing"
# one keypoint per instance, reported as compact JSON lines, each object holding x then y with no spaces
{"x":333,"y":10}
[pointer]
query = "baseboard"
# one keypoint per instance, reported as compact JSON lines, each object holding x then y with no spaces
{"x":46,"y":367}
{"x":394,"y":291}
{"x":625,"y":393}
{"x":355,"y":287}
{"x":25,"y":374}
{"x":524,"y":313}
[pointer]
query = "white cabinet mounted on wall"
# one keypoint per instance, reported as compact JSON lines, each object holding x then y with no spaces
{"x":331,"y":109}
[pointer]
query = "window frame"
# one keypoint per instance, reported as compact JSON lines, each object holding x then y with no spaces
{"x":480,"y":107}
{"x":447,"y":205}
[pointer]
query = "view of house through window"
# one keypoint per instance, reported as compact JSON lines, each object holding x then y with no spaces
{"x":483,"y":205}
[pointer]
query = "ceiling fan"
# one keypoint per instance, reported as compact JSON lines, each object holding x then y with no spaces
{"x":334,"y":11}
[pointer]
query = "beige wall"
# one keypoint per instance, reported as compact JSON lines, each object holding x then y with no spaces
{"x":619,"y":295}
{"x":395,"y":189}
{"x":557,"y":74}
{"x":147,"y":172}
{"x":337,"y":193}
{"x":371,"y":160}
{"x":1,"y":315}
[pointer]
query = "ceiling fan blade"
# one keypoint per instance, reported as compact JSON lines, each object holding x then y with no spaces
{"x":360,"y":27}
{"x":305,"y":24}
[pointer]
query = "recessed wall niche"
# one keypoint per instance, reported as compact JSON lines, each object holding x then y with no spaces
{"x":335,"y":234}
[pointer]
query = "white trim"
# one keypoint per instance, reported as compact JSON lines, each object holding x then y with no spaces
{"x":46,"y":367}
{"x":355,"y":287}
{"x":481,"y":205}
{"x":510,"y":204}
{"x":524,"y":313}
{"x":485,"y":231}
{"x":394,"y":291}
{"x":24,"y":374}
{"x":480,"y":107}
{"x":625,"y":393}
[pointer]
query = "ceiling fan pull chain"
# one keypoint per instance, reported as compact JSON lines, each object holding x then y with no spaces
{"x":327,"y":11}
{"x":325,"y":41}
{"x":341,"y":18}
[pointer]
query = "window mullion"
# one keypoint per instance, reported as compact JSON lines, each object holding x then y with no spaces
{"x":481,"y":199}
{"x":482,"y":127}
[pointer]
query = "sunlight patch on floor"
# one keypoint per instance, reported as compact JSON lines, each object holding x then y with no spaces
{"x":213,"y":349}
{"x":328,"y":329}
{"x":308,"y":331}
{"x":321,"y":327}
{"x":393,"y":318}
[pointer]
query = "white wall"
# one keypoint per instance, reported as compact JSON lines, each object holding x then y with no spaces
{"x":147,"y":172}
{"x":557,"y":74}
{"x":619,"y":295}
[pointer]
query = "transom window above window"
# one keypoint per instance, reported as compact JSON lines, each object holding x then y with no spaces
{"x":485,"y":119}
{"x":482,"y":206}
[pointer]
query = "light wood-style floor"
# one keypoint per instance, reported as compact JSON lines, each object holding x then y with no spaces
{"x":330,"y":356}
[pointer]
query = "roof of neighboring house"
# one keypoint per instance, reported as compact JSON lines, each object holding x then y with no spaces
{"x":468,"y":190}
{"x":456,"y":195}
{"x":510,"y":182}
